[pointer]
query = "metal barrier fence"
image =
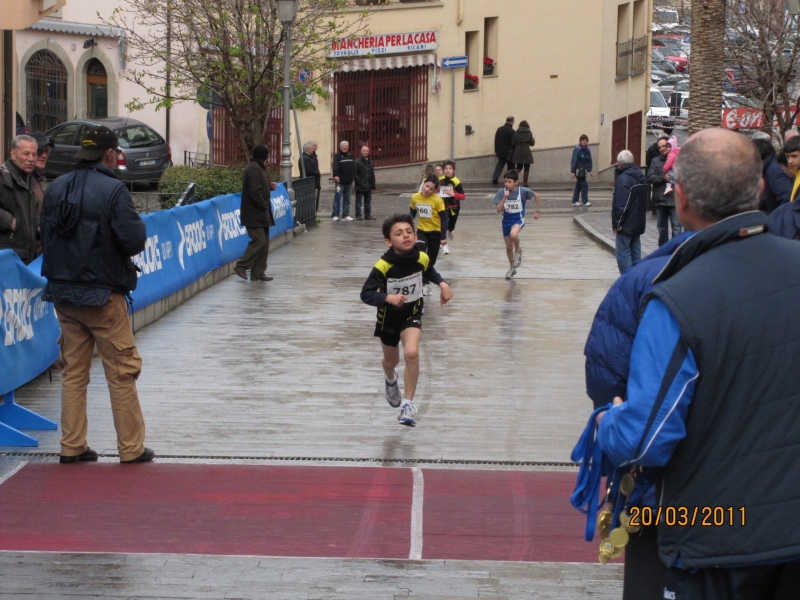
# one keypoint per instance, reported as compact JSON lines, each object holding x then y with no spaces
{"x":196,"y":159}
{"x":305,"y":194}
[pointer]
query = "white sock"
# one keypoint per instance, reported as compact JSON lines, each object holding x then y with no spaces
{"x":404,"y":402}
{"x":391,"y":381}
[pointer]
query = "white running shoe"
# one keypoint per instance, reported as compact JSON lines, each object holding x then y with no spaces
{"x":510,"y":273}
{"x":393,"y":392}
{"x":348,"y":218}
{"x":426,"y":290}
{"x":450,"y":235}
{"x":334,"y":218}
{"x":407,"y":413}
{"x":446,"y":249}
{"x":517,"y":258}
{"x":576,"y":204}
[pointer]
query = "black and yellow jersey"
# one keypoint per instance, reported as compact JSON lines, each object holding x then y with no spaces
{"x":454,"y":185}
{"x":428,"y":210}
{"x":398,"y":274}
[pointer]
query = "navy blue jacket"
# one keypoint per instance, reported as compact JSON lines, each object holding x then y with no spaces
{"x":629,"y":209}
{"x":608,"y":347}
{"x":90,"y":229}
{"x":777,"y":186}
{"x":581,"y":157}
{"x":785,"y":221}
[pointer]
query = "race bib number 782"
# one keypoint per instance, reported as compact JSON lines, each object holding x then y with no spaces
{"x":513,"y":206}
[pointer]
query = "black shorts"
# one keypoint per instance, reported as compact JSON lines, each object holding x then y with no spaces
{"x":390,"y":332}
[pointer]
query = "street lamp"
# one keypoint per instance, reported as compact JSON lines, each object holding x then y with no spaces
{"x":287,"y":11}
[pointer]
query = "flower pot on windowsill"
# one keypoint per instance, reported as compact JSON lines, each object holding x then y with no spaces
{"x":468,"y":85}
{"x":488,"y":70}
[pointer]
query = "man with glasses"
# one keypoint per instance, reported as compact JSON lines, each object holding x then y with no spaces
{"x":90,"y":231}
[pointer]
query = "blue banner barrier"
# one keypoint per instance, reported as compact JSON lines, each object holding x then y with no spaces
{"x":28,"y":345}
{"x":186,"y":242}
{"x":183,"y":244}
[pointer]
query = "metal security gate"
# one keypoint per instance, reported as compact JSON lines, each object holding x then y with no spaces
{"x":386,"y":110}
{"x":46,"y":91}
{"x":225,"y":145}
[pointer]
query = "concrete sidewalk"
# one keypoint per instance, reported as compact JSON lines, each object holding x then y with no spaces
{"x":598,"y":227}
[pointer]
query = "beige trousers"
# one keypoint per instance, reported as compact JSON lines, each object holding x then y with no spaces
{"x":108,"y":327}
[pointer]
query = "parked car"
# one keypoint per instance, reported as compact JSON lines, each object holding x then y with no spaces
{"x":668,"y":84}
{"x":144,"y":157}
{"x":657,"y":76}
{"x":659,"y":109}
{"x":660,"y":61}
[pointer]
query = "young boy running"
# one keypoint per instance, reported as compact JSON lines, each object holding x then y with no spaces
{"x":511,"y":202}
{"x":395,"y":287}
{"x":452,"y":192}
{"x":431,"y":224}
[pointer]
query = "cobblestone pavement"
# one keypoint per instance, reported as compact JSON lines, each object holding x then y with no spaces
{"x":290,"y":370}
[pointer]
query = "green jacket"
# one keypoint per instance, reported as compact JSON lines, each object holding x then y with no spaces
{"x":17,"y":202}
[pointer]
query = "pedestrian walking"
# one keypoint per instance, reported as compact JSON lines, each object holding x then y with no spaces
{"x":712,"y":387}
{"x":90,"y":231}
{"x":256,"y":217}
{"x":452,"y":192}
{"x":364,"y":179}
{"x":520,"y":154}
{"x":581,"y":166}
{"x":502,"y":146}
{"x":664,"y":205}
{"x":394,"y":286}
{"x":19,"y":222}
{"x":310,"y":161}
{"x":628,"y":211}
{"x":512,"y":201}
{"x":431,"y":215}
{"x":343,"y":171}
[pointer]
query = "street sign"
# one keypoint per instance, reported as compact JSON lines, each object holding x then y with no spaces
{"x":454,"y":62}
{"x":209,"y":125}
{"x":208,"y":98}
{"x":304,"y":74}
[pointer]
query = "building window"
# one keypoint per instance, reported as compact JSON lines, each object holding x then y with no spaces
{"x":491,"y":36}
{"x":97,"y":90}
{"x":475,"y":65}
{"x":46,"y":91}
{"x":385,"y":109}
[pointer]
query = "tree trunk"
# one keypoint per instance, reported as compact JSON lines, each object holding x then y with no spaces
{"x":708,"y":64}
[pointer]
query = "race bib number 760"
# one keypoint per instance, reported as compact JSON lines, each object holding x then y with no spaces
{"x":410,"y":286}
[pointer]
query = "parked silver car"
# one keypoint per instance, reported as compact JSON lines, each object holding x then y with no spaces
{"x":144,"y":157}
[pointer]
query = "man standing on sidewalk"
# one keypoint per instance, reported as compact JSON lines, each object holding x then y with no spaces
{"x":343,"y":176}
{"x":364,"y":176}
{"x":502,"y":146}
{"x":665,"y":205}
{"x":310,"y":161}
{"x":628,"y":211}
{"x":581,"y":166}
{"x":256,"y":215}
{"x":90,"y":230}
{"x":18,"y":215}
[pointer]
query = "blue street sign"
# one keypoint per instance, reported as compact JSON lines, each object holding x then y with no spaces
{"x":304,"y":74}
{"x":453,"y":62}
{"x":209,"y":125}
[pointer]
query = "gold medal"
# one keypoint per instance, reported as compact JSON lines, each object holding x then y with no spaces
{"x":618,"y":537}
{"x":604,"y":523}
{"x":626,"y":485}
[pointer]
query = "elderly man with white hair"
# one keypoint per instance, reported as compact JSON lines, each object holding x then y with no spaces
{"x":310,"y":161}
{"x":343,"y":170}
{"x":629,"y":211}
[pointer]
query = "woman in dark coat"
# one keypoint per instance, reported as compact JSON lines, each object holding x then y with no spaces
{"x":520,"y":154}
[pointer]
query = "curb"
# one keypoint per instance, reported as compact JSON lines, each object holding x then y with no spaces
{"x":598,"y":237}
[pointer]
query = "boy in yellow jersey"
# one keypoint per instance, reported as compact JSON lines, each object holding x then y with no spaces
{"x":395,"y":287}
{"x":431,"y":221}
{"x":452,"y":192}
{"x":792,"y":151}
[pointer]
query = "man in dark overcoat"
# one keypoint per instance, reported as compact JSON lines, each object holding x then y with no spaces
{"x":256,"y":215}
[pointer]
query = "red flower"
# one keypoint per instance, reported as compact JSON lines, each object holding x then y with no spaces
{"x":471,"y":78}
{"x":488,"y":61}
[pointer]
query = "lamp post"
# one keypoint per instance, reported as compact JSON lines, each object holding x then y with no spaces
{"x":287,"y":11}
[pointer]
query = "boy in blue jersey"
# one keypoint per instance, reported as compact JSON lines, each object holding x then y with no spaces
{"x":394,"y":286}
{"x":511,"y":201}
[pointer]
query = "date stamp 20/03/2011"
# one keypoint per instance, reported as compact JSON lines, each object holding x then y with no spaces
{"x":685,"y":516}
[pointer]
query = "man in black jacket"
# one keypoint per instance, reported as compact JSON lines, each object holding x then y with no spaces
{"x":628,"y":211}
{"x":18,"y":214}
{"x":343,"y":170}
{"x":310,"y":162}
{"x":665,"y":205}
{"x":502,"y":145}
{"x":256,"y":215}
{"x":364,"y":177}
{"x":90,"y":231}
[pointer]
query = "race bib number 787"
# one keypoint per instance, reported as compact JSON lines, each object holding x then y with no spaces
{"x":410,"y":286}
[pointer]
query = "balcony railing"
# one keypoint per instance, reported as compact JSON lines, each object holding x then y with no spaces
{"x":624,"y":59}
{"x":639,"y":64}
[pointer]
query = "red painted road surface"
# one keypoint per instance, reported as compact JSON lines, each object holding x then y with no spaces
{"x":345,"y":512}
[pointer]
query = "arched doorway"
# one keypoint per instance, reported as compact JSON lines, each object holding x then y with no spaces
{"x":96,"y":90}
{"x":46,"y":95}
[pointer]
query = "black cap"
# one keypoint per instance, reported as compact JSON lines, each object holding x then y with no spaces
{"x":42,"y":140}
{"x":95,"y":143}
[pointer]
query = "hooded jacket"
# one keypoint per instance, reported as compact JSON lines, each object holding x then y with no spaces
{"x":629,"y":208}
{"x":90,"y":229}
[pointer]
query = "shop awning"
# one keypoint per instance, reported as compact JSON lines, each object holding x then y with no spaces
{"x":79,"y":28}
{"x":387,"y":62}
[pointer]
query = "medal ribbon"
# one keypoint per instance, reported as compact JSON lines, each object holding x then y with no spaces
{"x":594,"y":466}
